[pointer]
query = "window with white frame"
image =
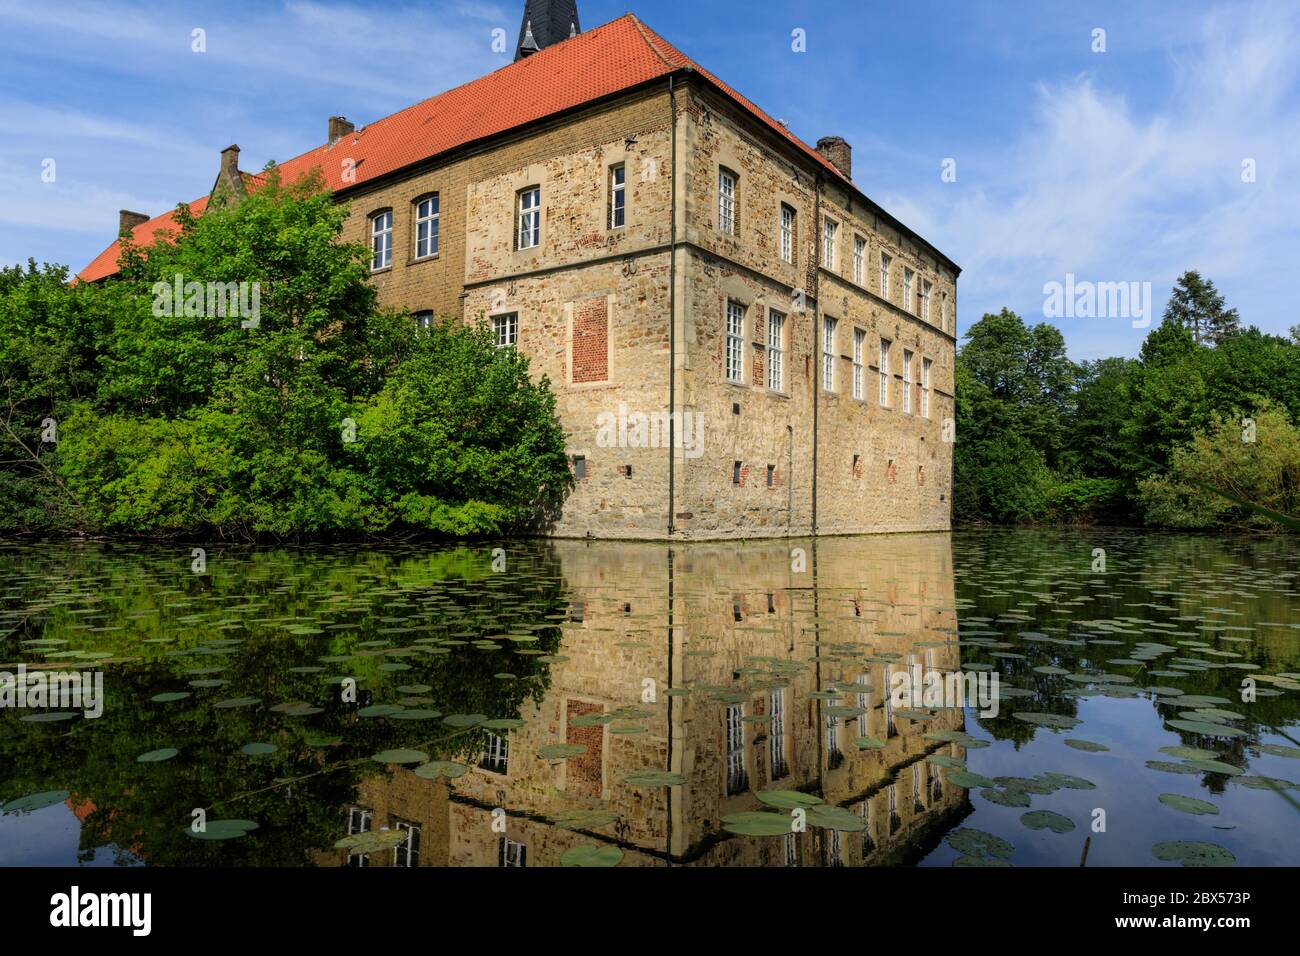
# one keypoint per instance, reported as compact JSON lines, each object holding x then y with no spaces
{"x":735,"y":355}
{"x":360,"y":820}
{"x":828,"y":354}
{"x":426,"y":227}
{"x":830,"y":233}
{"x":513,"y":854}
{"x":505,"y":329}
{"x":909,"y":278}
{"x":925,"y":388}
{"x":885,"y":263}
{"x":736,"y":778}
{"x":833,"y":848}
{"x":859,"y":260}
{"x":617,"y":196}
{"x":727,"y":201}
{"x":885,"y":346}
{"x":381,"y":240}
{"x":530,"y":217}
{"x":864,"y":702}
{"x":859,"y":343}
{"x":496,"y":754}
{"x":776,"y":734}
{"x":907,"y":380}
{"x":917,"y":788}
{"x":791,"y":850}
{"x":775,"y":350}
{"x":834,"y":756}
{"x":890,"y":729}
{"x":927,"y":289}
{"x":787,"y":233}
{"x":407,"y":853}
{"x":868,"y":844}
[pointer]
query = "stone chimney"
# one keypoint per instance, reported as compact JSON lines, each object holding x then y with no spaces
{"x":838,"y":153}
{"x":128,"y":220}
{"x":339,"y":127}
{"x":229,"y":186}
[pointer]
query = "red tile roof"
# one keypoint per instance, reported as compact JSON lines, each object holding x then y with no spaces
{"x":611,"y":58}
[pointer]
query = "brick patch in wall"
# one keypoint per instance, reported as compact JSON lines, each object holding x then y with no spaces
{"x":591,"y":340}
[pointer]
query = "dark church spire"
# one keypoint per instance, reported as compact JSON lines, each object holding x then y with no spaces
{"x":546,"y":22}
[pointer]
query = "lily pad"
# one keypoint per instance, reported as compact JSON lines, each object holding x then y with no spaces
{"x":1046,"y":819}
{"x":592,"y":855}
{"x":1192,"y":805}
{"x":400,"y":755}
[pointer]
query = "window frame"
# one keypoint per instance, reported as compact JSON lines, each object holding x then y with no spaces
{"x":775,"y":350}
{"x":381,"y":240}
{"x":926,"y":364}
{"x":909,"y":281}
{"x":432,"y":219}
{"x":728,"y":206}
{"x":860,"y":247}
{"x":927,"y":291}
{"x":787,"y":228}
{"x":886,"y":264}
{"x":734,"y":339}
{"x":830,"y":243}
{"x":908,"y":358}
{"x":882,"y":366}
{"x":617,"y":196}
{"x":527,"y":216}
{"x":510,"y":322}
{"x":829,"y":325}
{"x":859,"y":370}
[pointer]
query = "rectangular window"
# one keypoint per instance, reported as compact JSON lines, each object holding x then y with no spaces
{"x":885,"y":263}
{"x":927,"y":289}
{"x":859,"y":260}
{"x":407,"y":853}
{"x":776,"y":733}
{"x":727,"y":201}
{"x":423,"y":318}
{"x":775,"y":350}
{"x":513,"y":854}
{"x":505,"y":329}
{"x":530,"y":217}
{"x":859,"y":343}
{"x":496,"y":754}
{"x":736,"y":779}
{"x":943,"y":311}
{"x":917,"y":789}
{"x":908,"y":276}
{"x":617,"y":196}
{"x":381,"y":240}
{"x":907,"y":381}
{"x":864,"y":702}
{"x":787,"y":233}
{"x":791,"y":850}
{"x":925,"y":388}
{"x":579,"y":466}
{"x":884,"y":372}
{"x":426,"y":227}
{"x":828,"y":354}
{"x":360,"y":820}
{"x":735,"y":472}
{"x":735,"y":341}
{"x":830,"y":230}
{"x":771,"y":481}
{"x":834,"y":756}
{"x":890,"y":729}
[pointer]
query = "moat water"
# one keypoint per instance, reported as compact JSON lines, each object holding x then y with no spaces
{"x":545,"y":702}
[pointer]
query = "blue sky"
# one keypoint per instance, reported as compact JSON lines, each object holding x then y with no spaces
{"x":1117,"y":166}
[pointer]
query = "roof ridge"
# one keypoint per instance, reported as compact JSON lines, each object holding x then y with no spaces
{"x":645,"y":35}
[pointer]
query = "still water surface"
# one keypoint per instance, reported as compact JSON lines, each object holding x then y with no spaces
{"x":632,"y":704}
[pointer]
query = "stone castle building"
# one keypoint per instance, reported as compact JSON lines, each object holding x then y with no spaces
{"x":742,"y":343}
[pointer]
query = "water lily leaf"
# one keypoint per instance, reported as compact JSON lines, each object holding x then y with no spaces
{"x":1188,"y":804}
{"x":1088,"y":746}
{"x":221,"y":830}
{"x":441,"y":769}
{"x":1193,"y":853}
{"x":787,"y":799}
{"x":170,"y":696}
{"x":258,"y":749}
{"x":373,"y":841}
{"x":868,"y":743}
{"x":592,"y":855}
{"x":835,"y":818}
{"x":400,"y":755}
{"x":1040,"y":819}
{"x":1054,"y":721}
{"x":36,"y":801}
{"x":156,"y":756}
{"x":758,"y":823}
{"x":654,"y":778}
{"x":967,"y":780}
{"x":561,"y":751}
{"x":580,"y":818}
{"x":972,"y":842}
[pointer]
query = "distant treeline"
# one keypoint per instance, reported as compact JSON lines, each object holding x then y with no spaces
{"x":1200,"y":431}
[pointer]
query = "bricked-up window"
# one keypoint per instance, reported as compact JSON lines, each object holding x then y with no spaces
{"x":590,"y":340}
{"x":828,"y":354}
{"x":885,"y":262}
{"x":859,"y":372}
{"x":381,"y":240}
{"x":727,"y":201}
{"x":579,"y":467}
{"x":830,"y":233}
{"x":735,"y":341}
{"x":925,"y":387}
{"x":530,"y":217}
{"x":505,"y":329}
{"x":908,"y":277}
{"x":907,"y":381}
{"x":735,"y":472}
{"x":423,"y":318}
{"x":775,"y":350}
{"x":407,"y":853}
{"x":617,"y":196}
{"x":776,"y":734}
{"x":736,"y":778}
{"x":859,"y":260}
{"x":885,"y":345}
{"x":496,"y":754}
{"x":927,"y":290}
{"x":512,"y":853}
{"x":787,"y":233}
{"x":426,"y":227}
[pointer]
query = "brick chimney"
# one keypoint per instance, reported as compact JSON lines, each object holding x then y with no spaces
{"x":339,"y":127}
{"x":128,"y":220}
{"x":229,"y":186}
{"x":838,"y":153}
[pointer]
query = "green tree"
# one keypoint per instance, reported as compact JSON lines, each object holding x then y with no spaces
{"x":1197,"y":306}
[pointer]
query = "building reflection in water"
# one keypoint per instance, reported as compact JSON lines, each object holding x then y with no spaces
{"x":683,"y":659}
